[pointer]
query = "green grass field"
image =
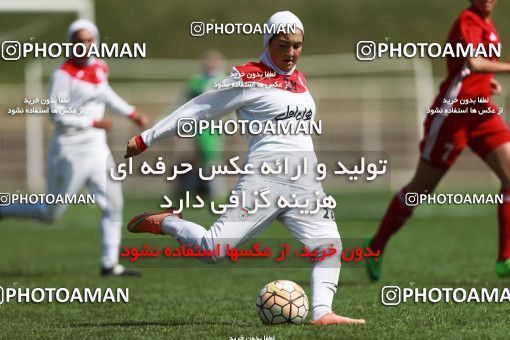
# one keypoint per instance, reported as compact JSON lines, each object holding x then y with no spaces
{"x":440,"y":247}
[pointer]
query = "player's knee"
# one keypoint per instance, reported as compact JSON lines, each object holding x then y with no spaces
{"x":112,"y":216}
{"x":218,"y":252}
{"x":112,"y":211}
{"x":114,"y":206}
{"x":330,"y":250}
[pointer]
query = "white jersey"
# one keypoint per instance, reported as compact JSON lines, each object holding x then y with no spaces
{"x":83,"y":89}
{"x":275,"y":98}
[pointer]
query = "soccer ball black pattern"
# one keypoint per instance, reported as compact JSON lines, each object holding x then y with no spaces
{"x":282,"y":302}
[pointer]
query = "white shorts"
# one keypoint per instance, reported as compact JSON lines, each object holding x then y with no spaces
{"x":71,"y":168}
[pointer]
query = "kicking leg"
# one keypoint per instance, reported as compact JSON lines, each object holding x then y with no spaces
{"x":233,"y":228}
{"x":444,"y":139}
{"x":319,"y":233}
{"x":499,"y":161}
{"x":425,"y":180}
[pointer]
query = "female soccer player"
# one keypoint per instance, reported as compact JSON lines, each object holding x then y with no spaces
{"x":78,"y":153}
{"x":269,"y":98}
{"x":446,"y":135}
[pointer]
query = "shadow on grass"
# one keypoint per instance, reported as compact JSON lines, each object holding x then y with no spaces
{"x":162,"y":323}
{"x":21,"y":273}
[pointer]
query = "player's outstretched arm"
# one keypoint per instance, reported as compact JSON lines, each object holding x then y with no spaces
{"x":483,"y":65}
{"x":139,"y":119}
{"x":122,"y":108}
{"x":210,"y":105}
{"x":135,"y":147}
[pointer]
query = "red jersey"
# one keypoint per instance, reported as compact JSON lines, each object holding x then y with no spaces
{"x":446,"y":134}
{"x":461,"y":83}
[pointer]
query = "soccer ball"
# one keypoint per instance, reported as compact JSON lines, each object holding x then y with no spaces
{"x":282,"y":302}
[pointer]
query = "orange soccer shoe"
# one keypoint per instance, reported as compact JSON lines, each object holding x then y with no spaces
{"x":333,"y":319}
{"x":150,"y":222}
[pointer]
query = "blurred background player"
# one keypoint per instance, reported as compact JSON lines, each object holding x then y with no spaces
{"x":446,"y":135}
{"x":209,"y":146}
{"x":269,"y":99}
{"x":78,"y":154}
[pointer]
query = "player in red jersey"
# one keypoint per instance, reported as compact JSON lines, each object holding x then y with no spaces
{"x":446,"y":134}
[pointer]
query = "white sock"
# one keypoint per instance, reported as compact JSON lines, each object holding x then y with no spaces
{"x":324,"y":282}
{"x":110,"y":241}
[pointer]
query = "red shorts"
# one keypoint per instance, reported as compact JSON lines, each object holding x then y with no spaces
{"x":446,"y":136}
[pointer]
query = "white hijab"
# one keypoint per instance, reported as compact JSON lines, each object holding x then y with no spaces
{"x":279,"y":18}
{"x":82,"y":24}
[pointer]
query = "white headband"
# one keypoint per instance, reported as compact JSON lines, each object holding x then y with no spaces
{"x":82,"y":24}
{"x":285,"y":18}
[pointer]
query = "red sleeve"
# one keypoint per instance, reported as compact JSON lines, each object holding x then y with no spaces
{"x":470,"y":30}
{"x":140,"y":143}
